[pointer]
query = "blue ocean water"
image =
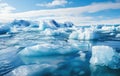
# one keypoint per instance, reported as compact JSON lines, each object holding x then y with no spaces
{"x":76,"y":64}
{"x":59,"y":49}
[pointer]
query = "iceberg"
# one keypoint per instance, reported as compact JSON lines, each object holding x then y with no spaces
{"x":43,"y":25}
{"x":4,"y":29}
{"x":22,"y":23}
{"x":60,"y":34}
{"x":55,"y":23}
{"x":47,"y":32}
{"x":48,"y":49}
{"x":87,"y":34}
{"x":105,"y":56}
{"x":118,"y":36}
{"x":62,"y":25}
{"x":90,"y":35}
{"x":73,"y":35}
{"x":118,"y":28}
{"x":82,"y":46}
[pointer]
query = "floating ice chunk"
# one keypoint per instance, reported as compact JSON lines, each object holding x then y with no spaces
{"x":101,"y":55}
{"x":4,"y":29}
{"x":105,"y":56}
{"x":74,"y":35}
{"x":60,"y":33}
{"x":47,"y":32}
{"x":90,"y":35}
{"x":45,"y":25}
{"x":53,"y":24}
{"x":5,"y":36}
{"x":118,"y":28}
{"x":108,"y":29}
{"x":118,"y":36}
{"x":48,"y":50}
{"x":87,"y":34}
{"x":18,"y":23}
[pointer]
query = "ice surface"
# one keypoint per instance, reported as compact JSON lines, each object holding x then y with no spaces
{"x":82,"y":46}
{"x":105,"y":56}
{"x":87,"y":34}
{"x":74,"y":35}
{"x":46,"y":25}
{"x":47,"y":49}
{"x":61,"y":34}
{"x":118,"y":36}
{"x":108,"y":28}
{"x":63,"y":30}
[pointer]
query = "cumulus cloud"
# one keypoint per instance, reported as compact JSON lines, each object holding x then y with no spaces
{"x":6,"y":8}
{"x":54,"y":3}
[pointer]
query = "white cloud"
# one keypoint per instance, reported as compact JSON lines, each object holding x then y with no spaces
{"x":66,"y":14}
{"x":5,"y":8}
{"x":96,"y":7}
{"x":54,"y":3}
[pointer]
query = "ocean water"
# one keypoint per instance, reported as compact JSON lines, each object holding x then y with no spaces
{"x":76,"y":64}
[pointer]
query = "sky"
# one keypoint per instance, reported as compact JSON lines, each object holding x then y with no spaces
{"x":80,"y":12}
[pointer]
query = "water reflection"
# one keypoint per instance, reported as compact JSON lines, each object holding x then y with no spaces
{"x":59,"y":65}
{"x":103,"y":71}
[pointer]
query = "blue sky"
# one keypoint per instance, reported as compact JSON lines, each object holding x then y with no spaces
{"x":78,"y":11}
{"x":27,"y":5}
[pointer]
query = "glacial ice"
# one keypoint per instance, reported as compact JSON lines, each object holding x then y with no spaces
{"x":21,"y":23}
{"x":4,"y":29}
{"x":108,"y":28}
{"x":87,"y":34}
{"x":105,"y":56}
{"x":66,"y":29}
{"x":48,"y":49}
{"x":73,"y":35}
{"x":118,"y":36}
{"x":64,"y":41}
